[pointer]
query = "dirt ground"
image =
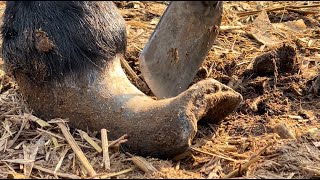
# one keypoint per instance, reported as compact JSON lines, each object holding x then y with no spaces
{"x":271,"y":57}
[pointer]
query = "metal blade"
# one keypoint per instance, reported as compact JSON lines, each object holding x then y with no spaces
{"x":179,"y":45}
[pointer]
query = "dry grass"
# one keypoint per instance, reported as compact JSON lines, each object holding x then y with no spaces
{"x":275,"y":133}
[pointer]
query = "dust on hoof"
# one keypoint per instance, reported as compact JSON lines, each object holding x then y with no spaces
{"x":282,"y":60}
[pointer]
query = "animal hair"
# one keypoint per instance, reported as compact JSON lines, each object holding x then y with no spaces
{"x":49,"y":39}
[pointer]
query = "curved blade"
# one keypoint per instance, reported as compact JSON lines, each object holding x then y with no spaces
{"x":179,"y":45}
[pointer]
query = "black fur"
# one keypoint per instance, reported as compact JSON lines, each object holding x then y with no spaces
{"x":84,"y":34}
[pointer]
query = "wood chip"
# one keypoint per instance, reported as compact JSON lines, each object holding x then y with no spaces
{"x":263,"y":31}
{"x":18,"y":161}
{"x":316,"y":144}
{"x":142,"y":164}
{"x":284,"y":131}
{"x":294,"y":117}
{"x":63,"y":175}
{"x":108,"y":175}
{"x":54,"y":141}
{"x":212,"y":154}
{"x":63,"y":154}
{"x":141,"y":84}
{"x":105,"y":148}
{"x":60,"y":137}
{"x":295,"y":26}
{"x":314,"y":170}
{"x":52,"y":134}
{"x":77,"y":149}
{"x":39,"y":121}
{"x":120,"y":140}
{"x":230,"y":28}
{"x":90,"y":141}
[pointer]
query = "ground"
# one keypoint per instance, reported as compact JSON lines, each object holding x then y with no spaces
{"x":271,"y":58}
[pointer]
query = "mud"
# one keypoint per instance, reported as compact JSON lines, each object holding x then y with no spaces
{"x":42,"y":41}
{"x":281,"y":60}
